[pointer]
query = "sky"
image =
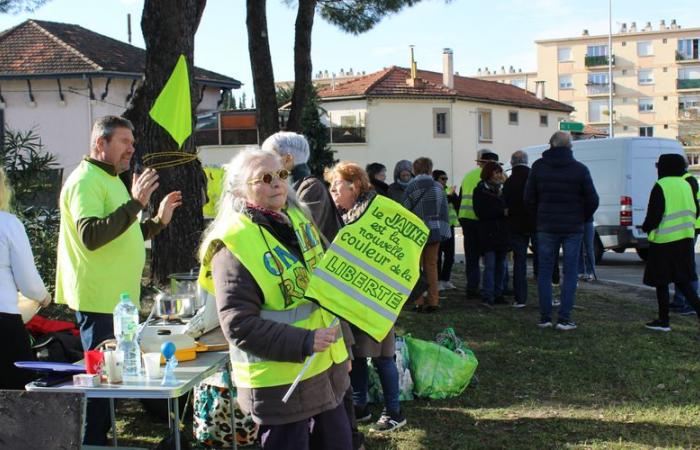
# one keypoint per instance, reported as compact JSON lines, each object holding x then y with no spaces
{"x":492,"y":34}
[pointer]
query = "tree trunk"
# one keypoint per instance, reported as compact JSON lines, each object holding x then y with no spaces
{"x":302,"y":61}
{"x":261,"y":66}
{"x":168,"y":28}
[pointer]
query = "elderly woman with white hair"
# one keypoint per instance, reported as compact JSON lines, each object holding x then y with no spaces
{"x":257,"y":256}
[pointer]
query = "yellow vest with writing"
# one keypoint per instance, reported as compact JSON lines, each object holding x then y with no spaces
{"x":466,"y":204}
{"x":678,"y":221}
{"x":283,"y":278}
{"x":371,"y":267}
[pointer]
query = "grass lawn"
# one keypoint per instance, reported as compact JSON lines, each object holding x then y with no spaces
{"x":609,"y":384}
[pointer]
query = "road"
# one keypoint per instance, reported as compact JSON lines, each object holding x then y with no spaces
{"x":624,"y":268}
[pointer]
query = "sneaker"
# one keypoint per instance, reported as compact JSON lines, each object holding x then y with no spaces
{"x":687,"y":310}
{"x":658,"y":325}
{"x":556,"y":302}
{"x":362,"y":414}
{"x":566,"y":325}
{"x":518,"y":305}
{"x":448,"y":285}
{"x":388,"y":422}
{"x":545,"y":323}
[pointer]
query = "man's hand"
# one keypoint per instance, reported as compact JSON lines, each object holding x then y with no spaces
{"x":168,"y":205}
{"x":324,"y":337}
{"x":142,"y":186}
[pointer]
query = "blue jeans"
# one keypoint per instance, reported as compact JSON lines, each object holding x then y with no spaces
{"x":519,"y":243}
{"x":492,"y":285}
{"x":586,"y":261}
{"x":95,"y":328}
{"x":471,"y":253}
{"x":388,"y":376}
{"x":547,"y":249}
{"x":678,"y":297}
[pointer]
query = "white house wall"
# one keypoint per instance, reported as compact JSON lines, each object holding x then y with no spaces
{"x":65,"y":127}
{"x":403,"y":129}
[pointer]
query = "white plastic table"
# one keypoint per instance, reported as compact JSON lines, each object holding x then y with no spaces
{"x":188,"y":374}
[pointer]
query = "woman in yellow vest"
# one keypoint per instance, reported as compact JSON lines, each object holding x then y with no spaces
{"x":352,"y":193}
{"x":670,"y":225}
{"x":257,"y":256}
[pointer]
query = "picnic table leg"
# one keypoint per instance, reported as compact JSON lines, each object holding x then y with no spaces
{"x":176,"y":411}
{"x":170,"y":411}
{"x":112,"y":417}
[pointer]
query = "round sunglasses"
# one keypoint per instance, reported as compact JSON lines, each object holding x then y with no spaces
{"x":267,"y":177}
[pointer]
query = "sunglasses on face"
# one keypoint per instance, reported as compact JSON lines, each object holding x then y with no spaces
{"x":268,"y":177}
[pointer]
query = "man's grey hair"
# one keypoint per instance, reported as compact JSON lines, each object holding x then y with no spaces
{"x":560,"y":139}
{"x":288,"y":143}
{"x":105,"y":127}
{"x":519,"y":158}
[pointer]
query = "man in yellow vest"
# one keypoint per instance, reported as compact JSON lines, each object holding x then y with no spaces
{"x":101,"y":251}
{"x":679,"y":303}
{"x":670,"y":225}
{"x":467,"y":219}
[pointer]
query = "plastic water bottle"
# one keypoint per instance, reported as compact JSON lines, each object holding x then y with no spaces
{"x":126,"y":322}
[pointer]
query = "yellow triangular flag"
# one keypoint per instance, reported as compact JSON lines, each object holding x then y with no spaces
{"x":173,"y":108}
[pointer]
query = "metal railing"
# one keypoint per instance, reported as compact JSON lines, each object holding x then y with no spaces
{"x":599,"y":88}
{"x":600,"y":60}
{"x":688,"y":84}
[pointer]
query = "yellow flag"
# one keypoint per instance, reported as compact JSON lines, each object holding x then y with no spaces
{"x":173,"y":108}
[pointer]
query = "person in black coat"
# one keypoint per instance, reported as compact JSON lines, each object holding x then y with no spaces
{"x":377,"y":178}
{"x":490,"y":208}
{"x":521,"y":223}
{"x":670,"y":262}
{"x":561,"y":195}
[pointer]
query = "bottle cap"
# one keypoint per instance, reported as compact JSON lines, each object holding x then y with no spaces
{"x":124,"y":297}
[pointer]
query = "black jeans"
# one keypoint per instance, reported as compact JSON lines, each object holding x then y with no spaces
{"x":95,"y":328}
{"x":663,"y":297}
{"x":446,"y":257}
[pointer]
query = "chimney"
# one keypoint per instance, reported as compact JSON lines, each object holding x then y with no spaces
{"x":413,"y":80}
{"x":674,"y":25}
{"x":662,"y":25}
{"x":503,"y":70}
{"x":478,"y":72}
{"x":511,"y":70}
{"x":539,"y":90}
{"x":585,"y":33}
{"x":448,"y":76}
{"x":633,"y":27}
{"x":623,"y":28}
{"x":647,"y":27}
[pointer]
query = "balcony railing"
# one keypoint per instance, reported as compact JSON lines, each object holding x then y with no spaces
{"x":688,"y":84}
{"x":684,"y":57}
{"x":689,"y":114}
{"x":602,"y":60}
{"x":599,"y":88}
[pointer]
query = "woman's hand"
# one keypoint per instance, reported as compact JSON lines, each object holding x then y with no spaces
{"x":324,"y":337}
{"x":46,"y":301}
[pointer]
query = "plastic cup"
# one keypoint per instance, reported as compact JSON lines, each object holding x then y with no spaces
{"x":151,"y":364}
{"x":94,"y":359}
{"x":114,"y":364}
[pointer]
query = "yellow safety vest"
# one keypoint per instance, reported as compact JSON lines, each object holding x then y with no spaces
{"x":697,"y":195}
{"x":451,"y":212}
{"x":215,"y":184}
{"x":466,"y":204}
{"x":678,"y":221}
{"x":283,"y":278}
{"x":371,"y":267}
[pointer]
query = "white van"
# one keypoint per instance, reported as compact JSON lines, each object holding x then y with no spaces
{"x":623,"y":171}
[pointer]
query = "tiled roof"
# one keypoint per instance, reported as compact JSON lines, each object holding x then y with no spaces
{"x":37,"y":47}
{"x":391,"y":82}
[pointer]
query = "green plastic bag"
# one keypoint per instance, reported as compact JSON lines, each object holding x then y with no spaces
{"x":437,"y":371}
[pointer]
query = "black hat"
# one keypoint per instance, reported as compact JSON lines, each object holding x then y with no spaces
{"x":488,"y":156}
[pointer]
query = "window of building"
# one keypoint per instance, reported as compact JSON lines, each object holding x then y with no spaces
{"x":565,"y":82}
{"x":512,"y":117}
{"x":688,"y":49}
{"x":597,"y":50}
{"x":665,"y":69}
{"x":564,"y":54}
{"x":624,"y":127}
{"x":689,"y":73}
{"x":441,"y":122}
{"x":597,"y":111}
{"x":624,"y":43}
{"x":544,"y":119}
{"x":689,"y":102}
{"x":646,"y":104}
{"x":644,"y":48}
{"x":485,"y":128}
{"x":624,"y":99}
{"x":347,"y":126}
{"x":645,"y":76}
{"x":646,"y":131}
{"x":665,"y":97}
{"x":693,"y":158}
{"x":598,"y":78}
{"x":664,"y":40}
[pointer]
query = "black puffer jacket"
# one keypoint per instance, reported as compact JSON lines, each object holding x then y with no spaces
{"x":560,"y":192}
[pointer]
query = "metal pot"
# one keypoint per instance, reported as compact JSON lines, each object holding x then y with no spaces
{"x":186,"y":284}
{"x":175,"y":306}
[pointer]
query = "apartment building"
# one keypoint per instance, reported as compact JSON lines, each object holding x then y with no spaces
{"x":523,"y":80}
{"x":655,"y":80}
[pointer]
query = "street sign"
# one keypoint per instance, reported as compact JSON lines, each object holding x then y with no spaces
{"x":571,"y":126}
